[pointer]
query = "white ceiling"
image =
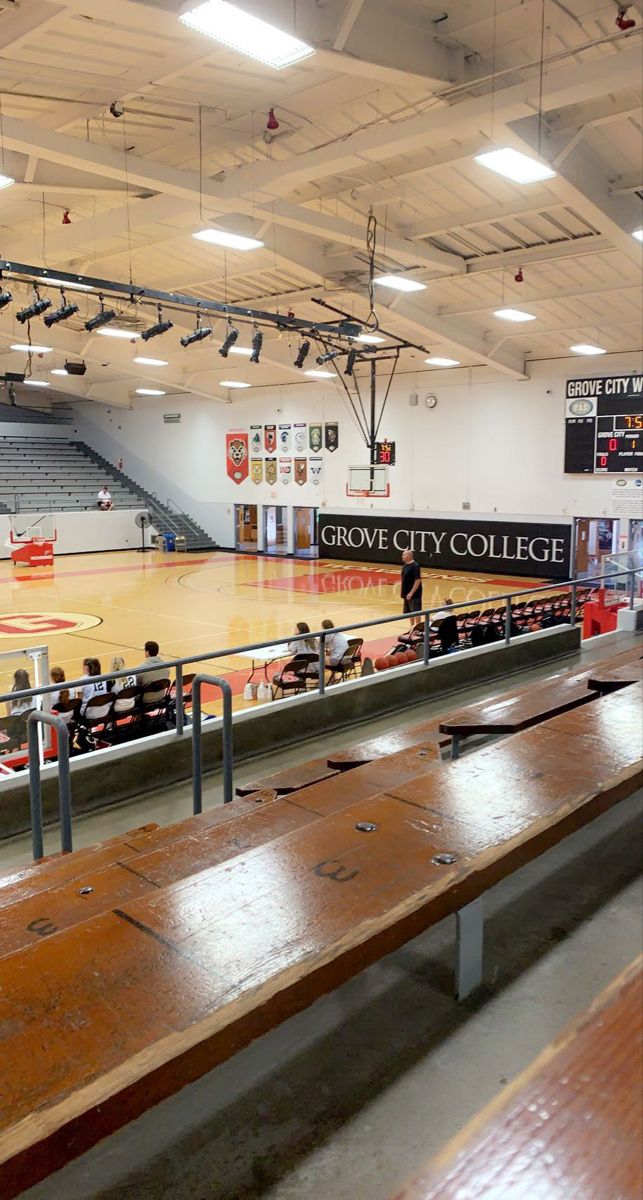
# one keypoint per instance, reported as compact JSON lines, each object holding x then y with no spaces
{"x":387,"y":114}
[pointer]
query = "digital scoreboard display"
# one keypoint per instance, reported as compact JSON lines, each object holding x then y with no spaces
{"x":604,"y":425}
{"x":385,"y":454}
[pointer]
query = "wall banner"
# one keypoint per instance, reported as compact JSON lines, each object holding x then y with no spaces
{"x":332,"y":435}
{"x":270,"y":438}
{"x":315,"y":438}
{"x":255,"y":439}
{"x":284,"y":438}
{"x":316,"y":467}
{"x":236,"y":447}
{"x":502,"y":547}
{"x":285,"y":470}
{"x":271,"y":470}
{"x":301,"y":470}
{"x":256,"y":470}
{"x":299,"y":439}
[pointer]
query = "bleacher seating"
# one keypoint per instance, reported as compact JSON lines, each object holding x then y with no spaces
{"x":42,"y":474}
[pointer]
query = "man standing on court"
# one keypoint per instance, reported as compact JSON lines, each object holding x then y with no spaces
{"x":411,"y":589}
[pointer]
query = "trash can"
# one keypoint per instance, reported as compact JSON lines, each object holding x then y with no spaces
{"x":180,"y":544}
{"x":170,"y":541}
{"x":159,"y":541}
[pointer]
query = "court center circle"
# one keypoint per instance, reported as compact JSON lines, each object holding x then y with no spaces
{"x":34,"y":624}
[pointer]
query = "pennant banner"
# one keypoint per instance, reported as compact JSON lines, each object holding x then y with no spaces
{"x":237,"y":456}
{"x":284,"y":438}
{"x":300,"y":438}
{"x":255,"y":439}
{"x":332,"y":436}
{"x":270,"y":438}
{"x":315,"y":438}
{"x":256,"y":470}
{"x":285,"y":470}
{"x":301,"y":470}
{"x":271,"y":470}
{"x":316,"y":466}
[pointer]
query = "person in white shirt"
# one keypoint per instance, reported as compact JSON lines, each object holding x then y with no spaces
{"x":335,"y":644}
{"x":104,"y":498}
{"x":302,"y":644}
{"x":438,"y":617}
{"x":91,"y":667}
{"x":117,"y":685}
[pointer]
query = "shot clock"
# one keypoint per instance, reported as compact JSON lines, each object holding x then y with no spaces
{"x":385,"y":454}
{"x":604,"y":425}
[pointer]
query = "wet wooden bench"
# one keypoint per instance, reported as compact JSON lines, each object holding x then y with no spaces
{"x":425,"y":732}
{"x":569,"y":1126}
{"x":291,"y":779}
{"x":605,"y":681}
{"x":152,"y":992}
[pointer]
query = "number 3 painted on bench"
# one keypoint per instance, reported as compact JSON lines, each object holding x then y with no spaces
{"x":341,"y":875}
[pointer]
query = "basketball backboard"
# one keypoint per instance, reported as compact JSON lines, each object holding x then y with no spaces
{"x":370,"y":480}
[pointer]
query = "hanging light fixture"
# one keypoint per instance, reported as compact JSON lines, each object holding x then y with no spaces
{"x":199,"y":333}
{"x":302,"y":354}
{"x":229,"y":340}
{"x":35,"y":309}
{"x":103,"y":317}
{"x":61,"y":314}
{"x":257,"y":343}
{"x":157,"y":329}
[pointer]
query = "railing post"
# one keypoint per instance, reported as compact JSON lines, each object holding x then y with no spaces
{"x":197,"y":748}
{"x":508,"y":621}
{"x":322,"y":665}
{"x":632,"y":588}
{"x":427,"y":638}
{"x":34,"y":719}
{"x":178,"y":699}
{"x":572,"y":613}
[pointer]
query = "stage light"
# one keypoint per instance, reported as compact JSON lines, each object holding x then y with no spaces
{"x":102,"y":318}
{"x":61,"y":314}
{"x":257,"y":343}
{"x":585,"y":348}
{"x":436,"y":361}
{"x":248,"y":35}
{"x":302,"y":354}
{"x":151,"y":362}
{"x":513,"y":314}
{"x":327,"y":357}
{"x":156,"y":330}
{"x":198,"y":334}
{"x":350,"y":362}
{"x":520,"y":168}
{"x":230,"y":338}
{"x":22,"y":346}
{"x":34,"y":310}
{"x":232,"y":241}
{"x":5,"y":299}
{"x":400,"y":283}
{"x":75,"y":368}
{"x":233,"y":383}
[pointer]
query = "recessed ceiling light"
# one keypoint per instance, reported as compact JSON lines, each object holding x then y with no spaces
{"x":36,"y":383}
{"x":513,"y":314}
{"x":249,"y":35}
{"x":109,"y":331}
{"x":320,"y":374}
{"x":59,"y":371}
{"x":64,"y":283}
{"x":370,"y":338}
{"x":233,"y":383}
{"x":6,"y":181}
{"x":520,"y":168}
{"x":151,"y":362}
{"x":638,"y":234}
{"x":400,"y":283}
{"x":585,"y":348}
{"x":234,"y":241}
{"x":436,"y":361}
{"x":150,"y":392}
{"x":245,"y":350}
{"x":33,"y":349}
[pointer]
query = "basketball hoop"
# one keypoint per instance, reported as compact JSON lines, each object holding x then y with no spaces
{"x":371,"y":480}
{"x":32,"y":540}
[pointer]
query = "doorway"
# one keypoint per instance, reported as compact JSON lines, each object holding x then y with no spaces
{"x":596,"y":538}
{"x":306,"y":532}
{"x":275,"y":529}
{"x":245,"y":524}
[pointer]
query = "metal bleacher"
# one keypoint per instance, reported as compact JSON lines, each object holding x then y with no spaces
{"x":41,"y":474}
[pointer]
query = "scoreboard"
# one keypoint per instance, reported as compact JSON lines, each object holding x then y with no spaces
{"x":604,"y":425}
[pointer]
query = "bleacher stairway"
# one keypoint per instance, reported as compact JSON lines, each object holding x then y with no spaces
{"x":43,"y":474}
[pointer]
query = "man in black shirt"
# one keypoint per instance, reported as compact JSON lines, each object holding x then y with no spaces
{"x":411,"y":589}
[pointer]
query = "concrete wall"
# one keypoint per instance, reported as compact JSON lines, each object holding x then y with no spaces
{"x":86,"y":532}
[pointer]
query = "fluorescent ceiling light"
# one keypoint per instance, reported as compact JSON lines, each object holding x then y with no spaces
{"x":400,"y":283}
{"x":151,"y":362}
{"x":638,"y":234}
{"x":36,"y":383}
{"x":233,"y":383}
{"x":369,"y":338}
{"x":33,"y":349}
{"x":520,"y":168}
{"x":245,"y":350}
{"x":249,"y":35}
{"x":6,"y":181}
{"x":513,"y":314}
{"x":109,"y":331}
{"x":150,"y":392}
{"x":64,"y":283}
{"x":320,"y":374}
{"x":585,"y":348}
{"x":234,"y":241}
{"x":436,"y":361}
{"x":59,"y":371}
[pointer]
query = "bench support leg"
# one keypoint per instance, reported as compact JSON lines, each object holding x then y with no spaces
{"x":469,"y":948}
{"x":455,"y":745}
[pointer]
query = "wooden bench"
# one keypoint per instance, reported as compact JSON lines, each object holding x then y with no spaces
{"x":150,"y":993}
{"x":569,"y":1126}
{"x":425,"y":732}
{"x":291,"y":779}
{"x":604,"y":681}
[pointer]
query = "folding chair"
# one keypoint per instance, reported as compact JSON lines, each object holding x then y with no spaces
{"x":154,"y":704}
{"x":126,"y":712}
{"x":188,"y":681}
{"x":294,"y":675}
{"x":96,"y":719}
{"x":347,"y":668}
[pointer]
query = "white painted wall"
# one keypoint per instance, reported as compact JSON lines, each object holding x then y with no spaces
{"x":495,"y":445}
{"x":86,"y":532}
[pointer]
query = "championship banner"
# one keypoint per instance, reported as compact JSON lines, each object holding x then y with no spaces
{"x":271,"y":470}
{"x":284,"y":438}
{"x":285,"y":470}
{"x":300,"y":438}
{"x":315,"y":438}
{"x":316,"y":466}
{"x":236,"y":446}
{"x":301,"y":470}
{"x":255,"y":439}
{"x":270,"y":438}
{"x":332,"y":436}
{"x":256,"y":470}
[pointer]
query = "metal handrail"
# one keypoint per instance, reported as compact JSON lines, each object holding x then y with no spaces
{"x":64,"y":782}
{"x":197,"y":755}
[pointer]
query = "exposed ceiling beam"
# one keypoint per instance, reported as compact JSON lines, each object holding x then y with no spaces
{"x":531,"y":295}
{"x":574,"y":248}
{"x":432,"y":328}
{"x":536,"y":202}
{"x":351,"y":13}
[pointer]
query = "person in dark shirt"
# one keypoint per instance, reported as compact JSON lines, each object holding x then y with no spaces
{"x":411,"y":587}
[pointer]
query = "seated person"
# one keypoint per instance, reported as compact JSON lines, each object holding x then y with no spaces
{"x":91,"y":667}
{"x":104,"y":498}
{"x":335,"y":647}
{"x":18,"y":710}
{"x":57,"y":675}
{"x":491,"y":633}
{"x":438,"y":617}
{"x":477,"y":635}
{"x":117,"y":685}
{"x":448,"y":635}
{"x":302,"y":645}
{"x":151,"y":670}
